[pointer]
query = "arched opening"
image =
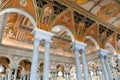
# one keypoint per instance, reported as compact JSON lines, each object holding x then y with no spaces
{"x":4,"y":66}
{"x":62,"y":39}
{"x":16,"y":26}
{"x":41,"y":68}
{"x":110,"y":49}
{"x":24,"y":69}
{"x":15,"y":10}
{"x":73,"y":73}
{"x":94,"y":70}
{"x":60,"y":72}
{"x":92,"y":45}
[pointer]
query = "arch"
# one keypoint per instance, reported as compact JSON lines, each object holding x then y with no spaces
{"x":7,"y":10}
{"x":6,"y":56}
{"x":67,"y":30}
{"x":111,"y":47}
{"x":60,"y":67}
{"x":93,"y":40}
{"x":24,"y":59}
{"x":41,"y":67}
{"x":5,"y":61}
{"x":26,"y":66}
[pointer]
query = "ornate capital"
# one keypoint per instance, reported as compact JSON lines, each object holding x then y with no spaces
{"x":103,"y":52}
{"x":42,"y":35}
{"x":78,"y":45}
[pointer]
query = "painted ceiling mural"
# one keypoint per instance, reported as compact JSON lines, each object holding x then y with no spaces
{"x":99,"y":19}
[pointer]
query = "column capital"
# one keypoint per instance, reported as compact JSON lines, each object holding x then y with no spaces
{"x":79,"y":45}
{"x":42,"y":35}
{"x":103,"y":52}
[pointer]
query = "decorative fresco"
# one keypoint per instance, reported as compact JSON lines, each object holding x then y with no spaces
{"x":108,"y":11}
{"x":46,"y":17}
{"x":2,"y":2}
{"x":49,"y":13}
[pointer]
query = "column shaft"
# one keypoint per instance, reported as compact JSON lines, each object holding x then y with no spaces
{"x":79,"y":75}
{"x":15,"y":74}
{"x":33,"y":75}
{"x":24,"y":77}
{"x":10,"y":74}
{"x":84,"y":63}
{"x":90,"y":77}
{"x":108,"y":69}
{"x":100,"y":76}
{"x":116,"y":73}
{"x":104,"y":68}
{"x":46,"y":61}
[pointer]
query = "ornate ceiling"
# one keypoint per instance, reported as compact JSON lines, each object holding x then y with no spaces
{"x":95,"y":22}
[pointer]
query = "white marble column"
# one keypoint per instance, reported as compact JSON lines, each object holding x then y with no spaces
{"x":34,"y":65}
{"x":15,"y":73}
{"x":6,"y":75}
{"x":108,"y":68}
{"x":10,"y":74}
{"x":76,"y":49}
{"x":90,"y":76}
{"x":46,"y":61}
{"x":100,"y":76}
{"x":24,"y":77}
{"x":84,"y":62}
{"x":115,"y":72}
{"x":45,"y":36}
{"x":47,"y":56}
{"x":102,"y":53}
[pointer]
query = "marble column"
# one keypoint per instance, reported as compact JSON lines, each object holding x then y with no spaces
{"x":102,"y":53}
{"x":33,"y":75}
{"x":108,"y":68}
{"x":6,"y":75}
{"x":24,"y":77}
{"x":45,"y":36}
{"x":84,"y":62}
{"x":90,"y":76}
{"x":15,"y":74}
{"x":10,"y":74}
{"x":46,"y":61}
{"x":76,"y":49}
{"x":65,"y":75}
{"x":100,"y":76}
{"x":115,"y":72}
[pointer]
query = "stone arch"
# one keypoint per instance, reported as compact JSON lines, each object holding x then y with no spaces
{"x":7,"y":56}
{"x":110,"y":48}
{"x":7,"y":10}
{"x":60,"y":67}
{"x":93,"y":40}
{"x":5,"y":61}
{"x":41,"y":67}
{"x":25,"y":66}
{"x":64,"y":28}
{"x":92,"y":44}
{"x":24,"y":59}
